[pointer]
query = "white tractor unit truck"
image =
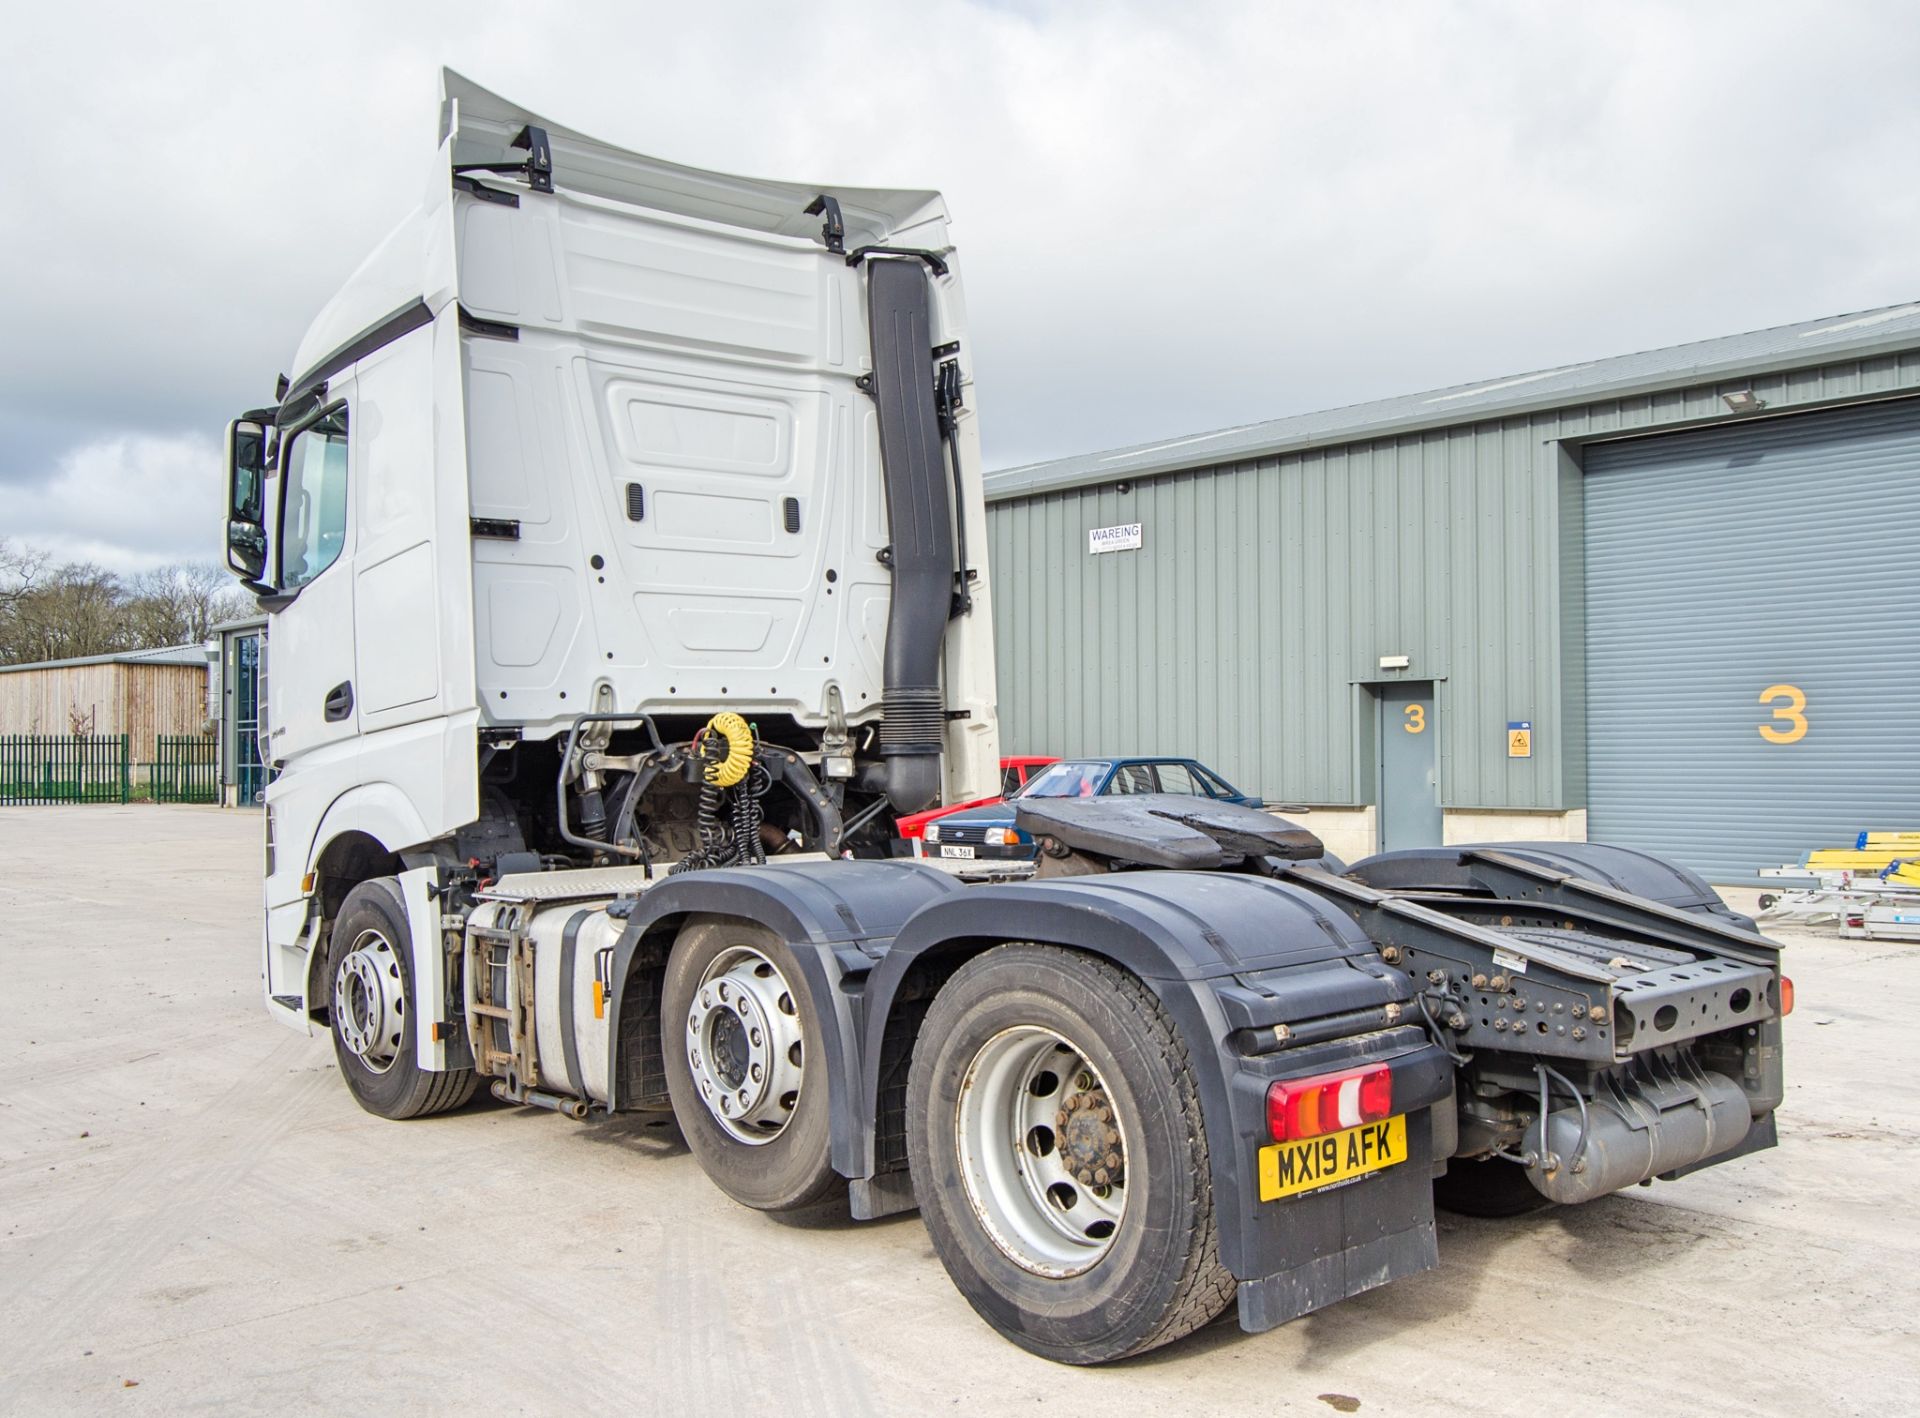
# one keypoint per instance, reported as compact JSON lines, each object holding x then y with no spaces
{"x":621,"y":534}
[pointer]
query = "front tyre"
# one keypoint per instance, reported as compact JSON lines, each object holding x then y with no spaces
{"x":1059,"y":1158}
{"x":370,"y":994}
{"x":739,"y":1035}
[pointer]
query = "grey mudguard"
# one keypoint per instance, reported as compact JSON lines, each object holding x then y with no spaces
{"x":1226,"y":955}
{"x":837,"y":917}
{"x":1623,"y":868}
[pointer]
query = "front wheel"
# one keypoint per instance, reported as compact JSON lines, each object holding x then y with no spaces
{"x":1059,"y":1158}
{"x":370,"y":974}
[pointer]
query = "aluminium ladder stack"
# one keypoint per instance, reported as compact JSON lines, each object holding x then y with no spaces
{"x":1870,"y":889}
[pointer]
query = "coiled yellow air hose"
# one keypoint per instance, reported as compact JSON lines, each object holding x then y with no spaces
{"x":739,"y":736}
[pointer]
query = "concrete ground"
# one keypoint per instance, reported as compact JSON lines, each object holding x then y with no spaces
{"x":195,"y":1217}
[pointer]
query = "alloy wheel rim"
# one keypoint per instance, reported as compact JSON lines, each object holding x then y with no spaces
{"x":1042,"y":1152}
{"x":745,"y":1047}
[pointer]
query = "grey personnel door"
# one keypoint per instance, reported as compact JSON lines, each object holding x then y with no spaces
{"x":1409,"y":777}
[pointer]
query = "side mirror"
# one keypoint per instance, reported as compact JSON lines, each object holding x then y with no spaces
{"x":246,"y":498}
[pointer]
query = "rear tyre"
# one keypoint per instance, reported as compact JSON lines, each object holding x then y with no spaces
{"x":739,"y":1036}
{"x":1059,"y":1158}
{"x":370,"y":993}
{"x":1490,"y":1187}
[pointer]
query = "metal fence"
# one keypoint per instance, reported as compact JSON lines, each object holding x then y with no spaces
{"x":64,"y":768}
{"x":185,"y":769}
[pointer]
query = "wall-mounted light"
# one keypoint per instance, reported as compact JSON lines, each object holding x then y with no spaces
{"x":1395,"y":662}
{"x":1743,"y":401}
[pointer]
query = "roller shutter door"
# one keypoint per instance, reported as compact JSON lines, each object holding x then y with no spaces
{"x":1781,"y":555}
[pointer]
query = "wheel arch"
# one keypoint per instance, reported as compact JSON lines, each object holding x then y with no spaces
{"x":836,"y":917}
{"x":1151,"y":935}
{"x":348,"y":859}
{"x":359,"y":837}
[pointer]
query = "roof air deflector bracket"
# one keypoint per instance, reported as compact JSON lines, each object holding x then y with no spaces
{"x":489,"y":329}
{"x":834,"y":230}
{"x":537,"y":169}
{"x":539,"y":157}
{"x":485,"y":193}
{"x":936,"y":261}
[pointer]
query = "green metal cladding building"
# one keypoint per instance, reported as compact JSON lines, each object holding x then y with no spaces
{"x":1668,"y":599}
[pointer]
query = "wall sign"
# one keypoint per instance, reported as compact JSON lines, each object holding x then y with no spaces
{"x":1125,"y":538}
{"x":1790,"y":713}
{"x":1519,"y":738}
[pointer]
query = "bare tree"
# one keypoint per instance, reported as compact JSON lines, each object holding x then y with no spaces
{"x":180,"y":603}
{"x":50,"y":612}
{"x":71,"y":611}
{"x":21,"y":567}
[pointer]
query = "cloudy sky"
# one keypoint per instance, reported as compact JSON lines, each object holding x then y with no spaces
{"x":1174,"y":217}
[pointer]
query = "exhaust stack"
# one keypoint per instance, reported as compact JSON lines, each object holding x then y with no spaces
{"x":920,"y":516}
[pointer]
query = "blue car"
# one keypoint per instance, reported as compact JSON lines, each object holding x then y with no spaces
{"x":988,"y":831}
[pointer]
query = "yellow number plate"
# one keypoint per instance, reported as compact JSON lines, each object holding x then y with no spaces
{"x":1289,"y":1168}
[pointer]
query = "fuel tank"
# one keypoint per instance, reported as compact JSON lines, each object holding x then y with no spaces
{"x":571,"y":945}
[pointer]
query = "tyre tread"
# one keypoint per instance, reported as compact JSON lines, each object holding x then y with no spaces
{"x":430,"y":1092}
{"x":1206,"y":1286}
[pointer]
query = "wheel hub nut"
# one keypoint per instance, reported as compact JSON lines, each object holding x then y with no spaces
{"x":1089,"y":1142}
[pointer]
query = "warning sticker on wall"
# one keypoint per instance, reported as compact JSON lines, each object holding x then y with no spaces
{"x":1125,"y":538}
{"x":1519,"y":738}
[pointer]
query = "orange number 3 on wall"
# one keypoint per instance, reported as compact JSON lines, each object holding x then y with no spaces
{"x":1416,"y":719}
{"x":1792,"y":715}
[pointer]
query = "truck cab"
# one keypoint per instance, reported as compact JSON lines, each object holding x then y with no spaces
{"x":591,"y":432}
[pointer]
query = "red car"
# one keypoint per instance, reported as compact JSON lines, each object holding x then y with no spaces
{"x":1014,"y":773}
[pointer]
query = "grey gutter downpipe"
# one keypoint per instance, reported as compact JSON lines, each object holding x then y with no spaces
{"x":920,"y":525}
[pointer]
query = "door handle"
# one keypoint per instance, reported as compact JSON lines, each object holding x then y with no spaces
{"x":339,"y":702}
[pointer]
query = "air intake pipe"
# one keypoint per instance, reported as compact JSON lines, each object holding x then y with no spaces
{"x":920,"y":516}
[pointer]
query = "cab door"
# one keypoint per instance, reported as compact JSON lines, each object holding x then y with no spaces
{"x":313,"y":488}
{"x":412,"y":602}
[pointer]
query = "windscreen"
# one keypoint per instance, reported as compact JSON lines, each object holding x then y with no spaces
{"x":1066,"y":780}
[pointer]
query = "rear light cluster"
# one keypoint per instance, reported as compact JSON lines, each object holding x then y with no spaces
{"x":1329,"y":1102}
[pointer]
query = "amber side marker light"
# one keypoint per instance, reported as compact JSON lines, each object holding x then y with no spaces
{"x":1786,"y":997}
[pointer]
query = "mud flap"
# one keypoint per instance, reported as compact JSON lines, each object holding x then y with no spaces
{"x":1315,"y":1284}
{"x":429,"y":968}
{"x":1328,"y":1246}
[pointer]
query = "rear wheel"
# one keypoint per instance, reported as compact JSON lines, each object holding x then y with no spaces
{"x":1059,"y":1158}
{"x":1489,"y":1187}
{"x":370,"y":975}
{"x":739,"y":1035}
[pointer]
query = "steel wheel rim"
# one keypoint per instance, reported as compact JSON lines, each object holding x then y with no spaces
{"x":744,"y":1046}
{"x":370,"y":1002}
{"x":1033,"y":1120}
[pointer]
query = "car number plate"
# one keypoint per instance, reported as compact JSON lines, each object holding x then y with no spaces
{"x":1291,"y":1168}
{"x":948,"y":850}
